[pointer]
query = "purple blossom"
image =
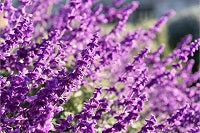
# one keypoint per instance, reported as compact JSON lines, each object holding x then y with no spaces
{"x":48,"y":58}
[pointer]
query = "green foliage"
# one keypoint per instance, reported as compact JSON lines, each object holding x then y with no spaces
{"x":4,"y":73}
{"x":75,"y":103}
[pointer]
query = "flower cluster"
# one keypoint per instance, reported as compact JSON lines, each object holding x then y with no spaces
{"x":47,"y":55}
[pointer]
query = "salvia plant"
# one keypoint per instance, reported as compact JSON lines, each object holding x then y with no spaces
{"x":47,"y":56}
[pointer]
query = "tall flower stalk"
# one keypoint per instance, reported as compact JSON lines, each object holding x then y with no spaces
{"x":48,"y":56}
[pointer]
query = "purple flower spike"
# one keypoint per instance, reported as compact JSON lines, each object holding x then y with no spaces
{"x":60,"y":72}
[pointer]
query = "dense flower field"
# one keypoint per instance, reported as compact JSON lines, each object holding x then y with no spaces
{"x":46,"y":56}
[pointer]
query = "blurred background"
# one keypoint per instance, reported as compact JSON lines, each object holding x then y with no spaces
{"x":155,"y":8}
{"x":186,"y":21}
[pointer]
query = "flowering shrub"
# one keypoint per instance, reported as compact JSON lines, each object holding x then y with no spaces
{"x":45,"y":57}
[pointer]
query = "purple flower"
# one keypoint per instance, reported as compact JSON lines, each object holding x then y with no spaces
{"x":53,"y":57}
